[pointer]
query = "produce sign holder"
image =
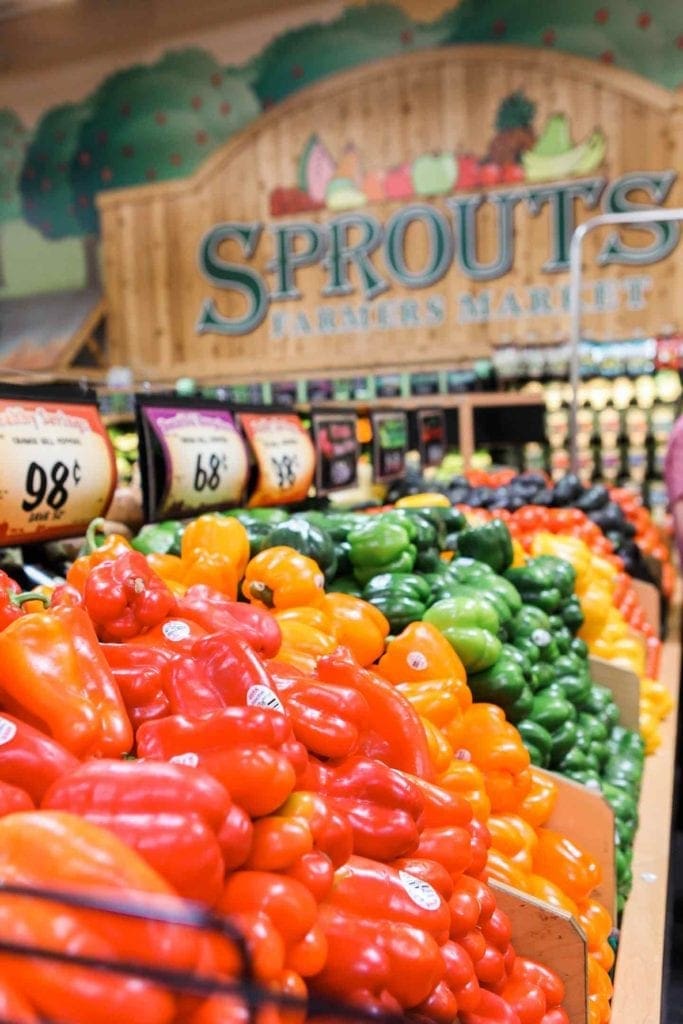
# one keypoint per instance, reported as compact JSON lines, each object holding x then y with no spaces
{"x":625,"y":687}
{"x":192,"y":456}
{"x":336,"y":449}
{"x":174,"y":911}
{"x":585,"y":816}
{"x":389,"y":444}
{"x":552,"y":935}
{"x":59,"y":470}
{"x":432,"y":437}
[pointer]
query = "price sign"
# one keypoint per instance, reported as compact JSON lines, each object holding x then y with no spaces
{"x":431,"y":436}
{"x":193,"y":459}
{"x":389,"y":444}
{"x":336,"y":449}
{"x":58,"y":469}
{"x":284,"y":455}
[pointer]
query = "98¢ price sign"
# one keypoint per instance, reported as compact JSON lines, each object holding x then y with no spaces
{"x":194,"y":459}
{"x":58,"y":469}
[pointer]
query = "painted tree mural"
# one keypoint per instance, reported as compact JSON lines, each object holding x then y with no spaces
{"x":13,"y":141}
{"x":153,"y":123}
{"x":361,"y":34}
{"x":49,"y":202}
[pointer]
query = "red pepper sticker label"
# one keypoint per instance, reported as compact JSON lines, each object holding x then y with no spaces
{"x":175,"y":630}
{"x":189,"y":758}
{"x":58,"y":469}
{"x":259,"y":696}
{"x":420,"y":892}
{"x":8,"y":731}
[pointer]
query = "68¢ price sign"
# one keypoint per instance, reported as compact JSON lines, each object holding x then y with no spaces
{"x":59,"y":469}
{"x":195,"y":460}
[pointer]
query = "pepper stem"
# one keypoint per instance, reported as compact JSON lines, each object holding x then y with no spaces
{"x":262,"y":592}
{"x":95,"y":526}
{"x":28,"y":595}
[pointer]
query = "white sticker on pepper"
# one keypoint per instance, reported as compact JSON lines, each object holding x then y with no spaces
{"x":8,"y":731}
{"x":259,"y":696}
{"x":189,"y":758}
{"x":417,"y":661}
{"x":176,"y":630}
{"x":419,"y":891}
{"x":541,"y":637}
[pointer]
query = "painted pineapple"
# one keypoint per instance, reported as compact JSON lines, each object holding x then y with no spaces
{"x":514,"y":129}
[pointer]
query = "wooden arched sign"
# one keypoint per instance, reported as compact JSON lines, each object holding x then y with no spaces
{"x":409,"y":213}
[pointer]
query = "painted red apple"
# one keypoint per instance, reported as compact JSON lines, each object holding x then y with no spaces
{"x":513,"y":172}
{"x":490,"y":173}
{"x":398,"y":183}
{"x":468,"y":172}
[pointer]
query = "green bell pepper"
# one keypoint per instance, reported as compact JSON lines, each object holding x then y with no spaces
{"x":537,"y":740}
{"x":571,"y":614}
{"x":551,"y":711}
{"x":563,"y":740}
{"x":576,"y":687}
{"x":337,"y":524}
{"x":377,"y":542}
{"x":307,"y":538}
{"x":579,"y":647}
{"x":491,"y":543}
{"x":545,"y":581}
{"x":470,"y":624}
{"x":542,"y":673}
{"x":271,"y":516}
{"x":502,"y":684}
{"x":344,"y":585}
{"x":522,"y":707}
{"x":401,"y":597}
{"x":595,"y":727}
{"x":446,"y":589}
{"x":561,"y":635}
{"x":468,"y":570}
{"x":159,"y":538}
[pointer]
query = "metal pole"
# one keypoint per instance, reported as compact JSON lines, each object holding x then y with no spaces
{"x":575,"y":271}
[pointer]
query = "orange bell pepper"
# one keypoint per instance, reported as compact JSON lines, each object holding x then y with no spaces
{"x":421,"y":652}
{"x":357,"y":625}
{"x":506,"y":789}
{"x":218,"y":535}
{"x":511,"y":835}
{"x":53,"y":674}
{"x":113,"y":544}
{"x":212,"y":569}
{"x":464,"y":778}
{"x":281,"y":577}
{"x":570,"y":867}
{"x":537,"y":805}
{"x":440,"y":750}
{"x":503,"y":869}
{"x":439,"y":700}
{"x":299,"y":636}
{"x":307,"y":615}
{"x":544,"y":889}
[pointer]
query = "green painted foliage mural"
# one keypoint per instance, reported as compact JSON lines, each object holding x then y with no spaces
{"x":13,"y":141}
{"x":153,"y":123}
{"x":48,"y":199}
{"x":158,"y":122}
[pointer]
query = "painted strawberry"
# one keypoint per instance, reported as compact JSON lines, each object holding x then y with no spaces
{"x":490,"y":173}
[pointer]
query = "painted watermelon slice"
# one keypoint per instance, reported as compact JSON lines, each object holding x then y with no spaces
{"x":316,"y":169}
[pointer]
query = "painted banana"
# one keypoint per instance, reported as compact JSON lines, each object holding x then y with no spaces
{"x":580,"y":159}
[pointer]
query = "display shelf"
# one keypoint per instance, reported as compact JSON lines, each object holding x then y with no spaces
{"x":640,"y":961}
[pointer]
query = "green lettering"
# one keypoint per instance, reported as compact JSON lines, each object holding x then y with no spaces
{"x":474,"y":309}
{"x":465,"y":211}
{"x":287,"y":259}
{"x":233,"y":277}
{"x":540,"y":301}
{"x":342,"y":254}
{"x":409,"y":313}
{"x":439,"y":246}
{"x":561,"y":200}
{"x":664,"y":235}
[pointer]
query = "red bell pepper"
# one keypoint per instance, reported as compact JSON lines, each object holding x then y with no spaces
{"x":12,"y":799}
{"x":429,"y":871}
{"x":492,"y":1009}
{"x":460,"y":975}
{"x":216,"y":614}
{"x":382,"y":806}
{"x":234,"y":837}
{"x":182,"y":848}
{"x":227,"y":727}
{"x":448,"y":846}
{"x":257,"y":778}
{"x":12,"y":600}
{"x":288,"y":903}
{"x":396,"y":735}
{"x":377,"y":890}
{"x":139,"y":787}
{"x":125,"y":597}
{"x":30,"y":759}
{"x":327,"y":718}
{"x":314,"y":870}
